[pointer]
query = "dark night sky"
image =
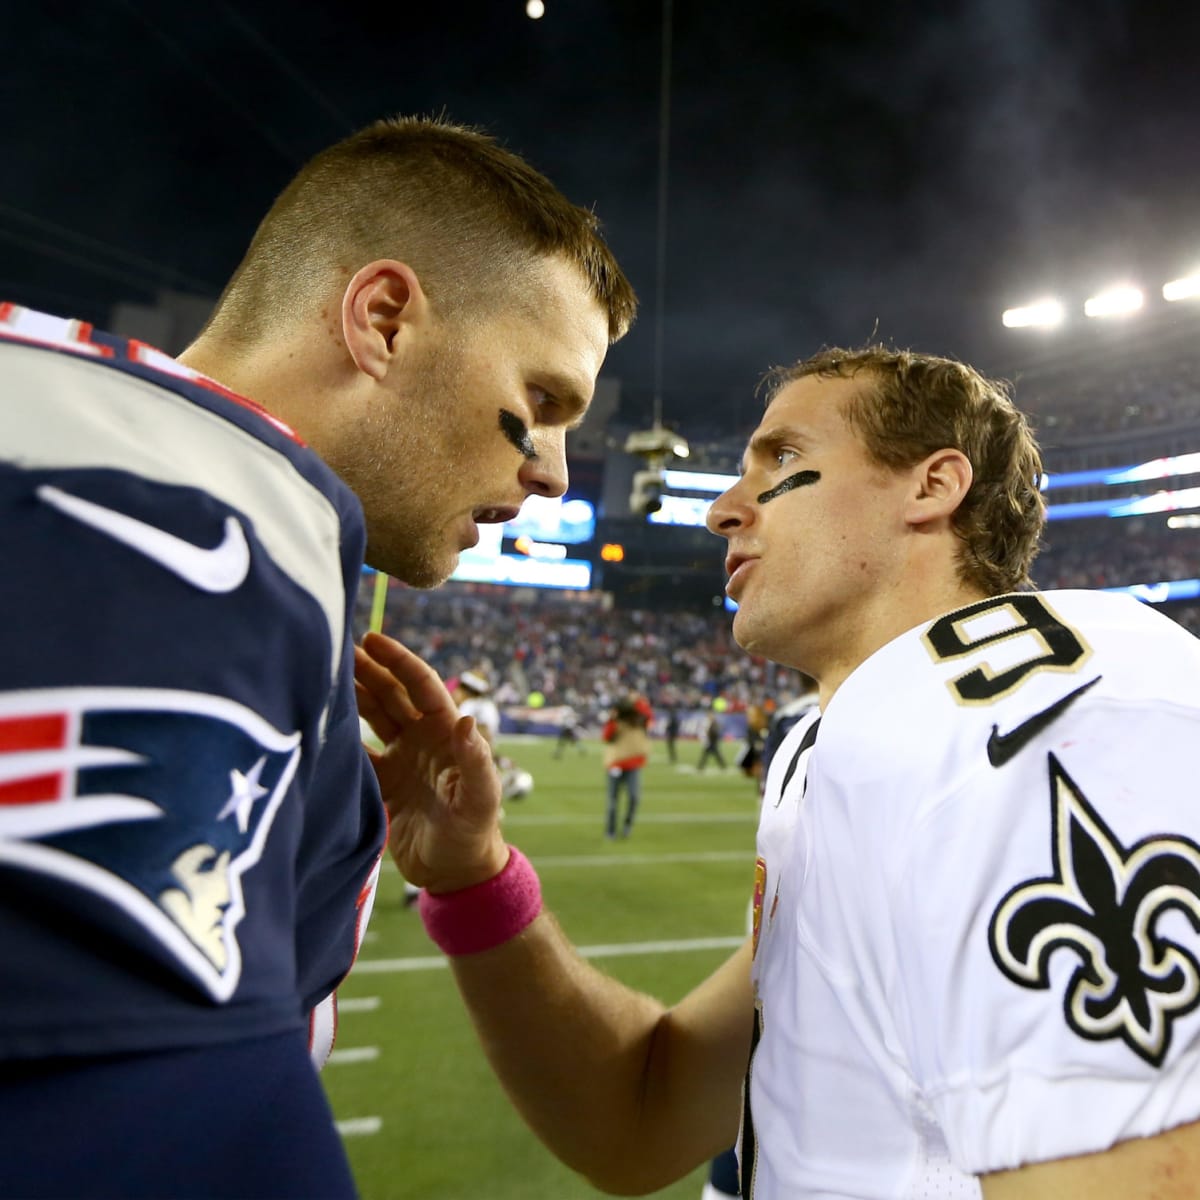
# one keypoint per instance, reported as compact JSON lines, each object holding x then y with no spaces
{"x":835,"y":168}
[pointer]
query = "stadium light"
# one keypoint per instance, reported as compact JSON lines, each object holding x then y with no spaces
{"x":1115,"y":302}
{"x":1041,"y":313}
{"x":1182,"y":289}
{"x":535,"y":10}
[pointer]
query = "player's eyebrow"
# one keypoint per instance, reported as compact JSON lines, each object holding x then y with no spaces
{"x":569,"y":396}
{"x":765,"y":440}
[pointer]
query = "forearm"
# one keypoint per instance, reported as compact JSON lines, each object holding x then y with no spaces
{"x":623,"y":1090}
{"x":627,"y":1092}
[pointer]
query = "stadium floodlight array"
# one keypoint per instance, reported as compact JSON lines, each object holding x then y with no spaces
{"x":1043,"y":314}
{"x":1117,"y":301}
{"x":1120,"y":300}
{"x":1182,"y":289}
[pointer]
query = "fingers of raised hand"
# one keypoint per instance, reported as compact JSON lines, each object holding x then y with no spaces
{"x":371,"y":711}
{"x":421,"y":682}
{"x":388,"y":696}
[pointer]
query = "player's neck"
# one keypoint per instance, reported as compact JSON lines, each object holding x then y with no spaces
{"x":286,"y":376}
{"x":892,"y":616}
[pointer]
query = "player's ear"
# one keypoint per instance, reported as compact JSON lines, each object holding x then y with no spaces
{"x":383,"y":306}
{"x":939,"y":484}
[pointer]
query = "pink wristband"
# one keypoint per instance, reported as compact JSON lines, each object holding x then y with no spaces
{"x":486,"y":915}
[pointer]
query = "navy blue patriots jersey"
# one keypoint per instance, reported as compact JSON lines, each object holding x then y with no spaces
{"x":189,"y":829}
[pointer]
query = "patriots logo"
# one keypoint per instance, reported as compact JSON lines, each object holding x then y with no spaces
{"x":1103,"y":903}
{"x":159,"y":801}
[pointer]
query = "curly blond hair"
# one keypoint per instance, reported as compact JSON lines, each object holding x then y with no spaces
{"x":916,"y":404}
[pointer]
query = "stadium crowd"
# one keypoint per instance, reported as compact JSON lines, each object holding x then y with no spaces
{"x":1116,"y":553}
{"x":587,"y":656}
{"x":1080,"y":404}
{"x":578,"y":653}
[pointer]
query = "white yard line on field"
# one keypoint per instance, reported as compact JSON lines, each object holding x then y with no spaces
{"x":360,"y":1126}
{"x":387,"y":966}
{"x":358,"y":1004}
{"x":721,"y":818}
{"x":641,"y":860}
{"x":352,"y":1054}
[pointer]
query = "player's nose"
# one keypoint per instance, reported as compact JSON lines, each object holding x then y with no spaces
{"x":546,"y":474}
{"x":729,"y":512}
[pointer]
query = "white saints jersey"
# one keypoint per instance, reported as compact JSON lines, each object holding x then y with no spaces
{"x":978,"y":897}
{"x":486,"y":714}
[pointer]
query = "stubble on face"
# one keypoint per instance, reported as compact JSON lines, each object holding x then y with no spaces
{"x":402,"y":461}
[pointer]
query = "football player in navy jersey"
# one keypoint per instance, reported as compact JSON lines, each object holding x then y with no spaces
{"x":975,"y":961}
{"x":189,"y":829}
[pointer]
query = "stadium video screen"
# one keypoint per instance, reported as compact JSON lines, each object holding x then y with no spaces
{"x":690,"y":510}
{"x":568,"y":520}
{"x":487,"y":562}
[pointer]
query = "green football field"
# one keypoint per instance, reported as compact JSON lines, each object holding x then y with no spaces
{"x":419,"y":1109}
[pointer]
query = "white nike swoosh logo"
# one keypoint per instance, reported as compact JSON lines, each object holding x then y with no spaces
{"x":221,"y":568}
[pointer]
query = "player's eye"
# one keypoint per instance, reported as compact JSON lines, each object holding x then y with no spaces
{"x":784,"y":455}
{"x":546,"y":408}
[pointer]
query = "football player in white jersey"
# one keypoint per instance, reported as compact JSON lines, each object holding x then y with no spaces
{"x":473,"y":695}
{"x":975,"y":965}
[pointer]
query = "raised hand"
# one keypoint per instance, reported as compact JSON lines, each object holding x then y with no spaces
{"x":436,"y":773}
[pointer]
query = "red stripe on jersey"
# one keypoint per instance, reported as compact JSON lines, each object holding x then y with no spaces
{"x":152,"y":357}
{"x":46,"y":731}
{"x":43,"y":731}
{"x":37,"y":789}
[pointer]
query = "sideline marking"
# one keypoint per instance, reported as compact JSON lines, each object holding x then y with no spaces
{"x":359,"y":1126}
{"x":387,"y":966}
{"x":647,"y":818}
{"x":612,"y":860}
{"x":353,"y":1054}
{"x":358,"y":1004}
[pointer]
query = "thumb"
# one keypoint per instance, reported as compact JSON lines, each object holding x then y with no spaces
{"x":470,"y":748}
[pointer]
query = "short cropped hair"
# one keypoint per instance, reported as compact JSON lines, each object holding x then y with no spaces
{"x":467,"y":215}
{"x":918,"y":404}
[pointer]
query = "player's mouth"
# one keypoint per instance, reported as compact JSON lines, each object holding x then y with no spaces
{"x":493,"y":515}
{"x":738,"y":567}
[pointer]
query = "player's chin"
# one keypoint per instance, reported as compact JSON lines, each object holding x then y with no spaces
{"x":428,"y":568}
{"x":744,"y":631}
{"x":433,"y":574}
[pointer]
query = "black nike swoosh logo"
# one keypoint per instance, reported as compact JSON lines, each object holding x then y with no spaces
{"x":1002,"y":747}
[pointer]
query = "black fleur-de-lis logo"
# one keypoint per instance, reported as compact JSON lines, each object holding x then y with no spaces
{"x":1103,"y":902}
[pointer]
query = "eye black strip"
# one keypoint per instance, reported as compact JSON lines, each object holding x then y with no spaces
{"x":800,"y":479}
{"x":516,"y":431}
